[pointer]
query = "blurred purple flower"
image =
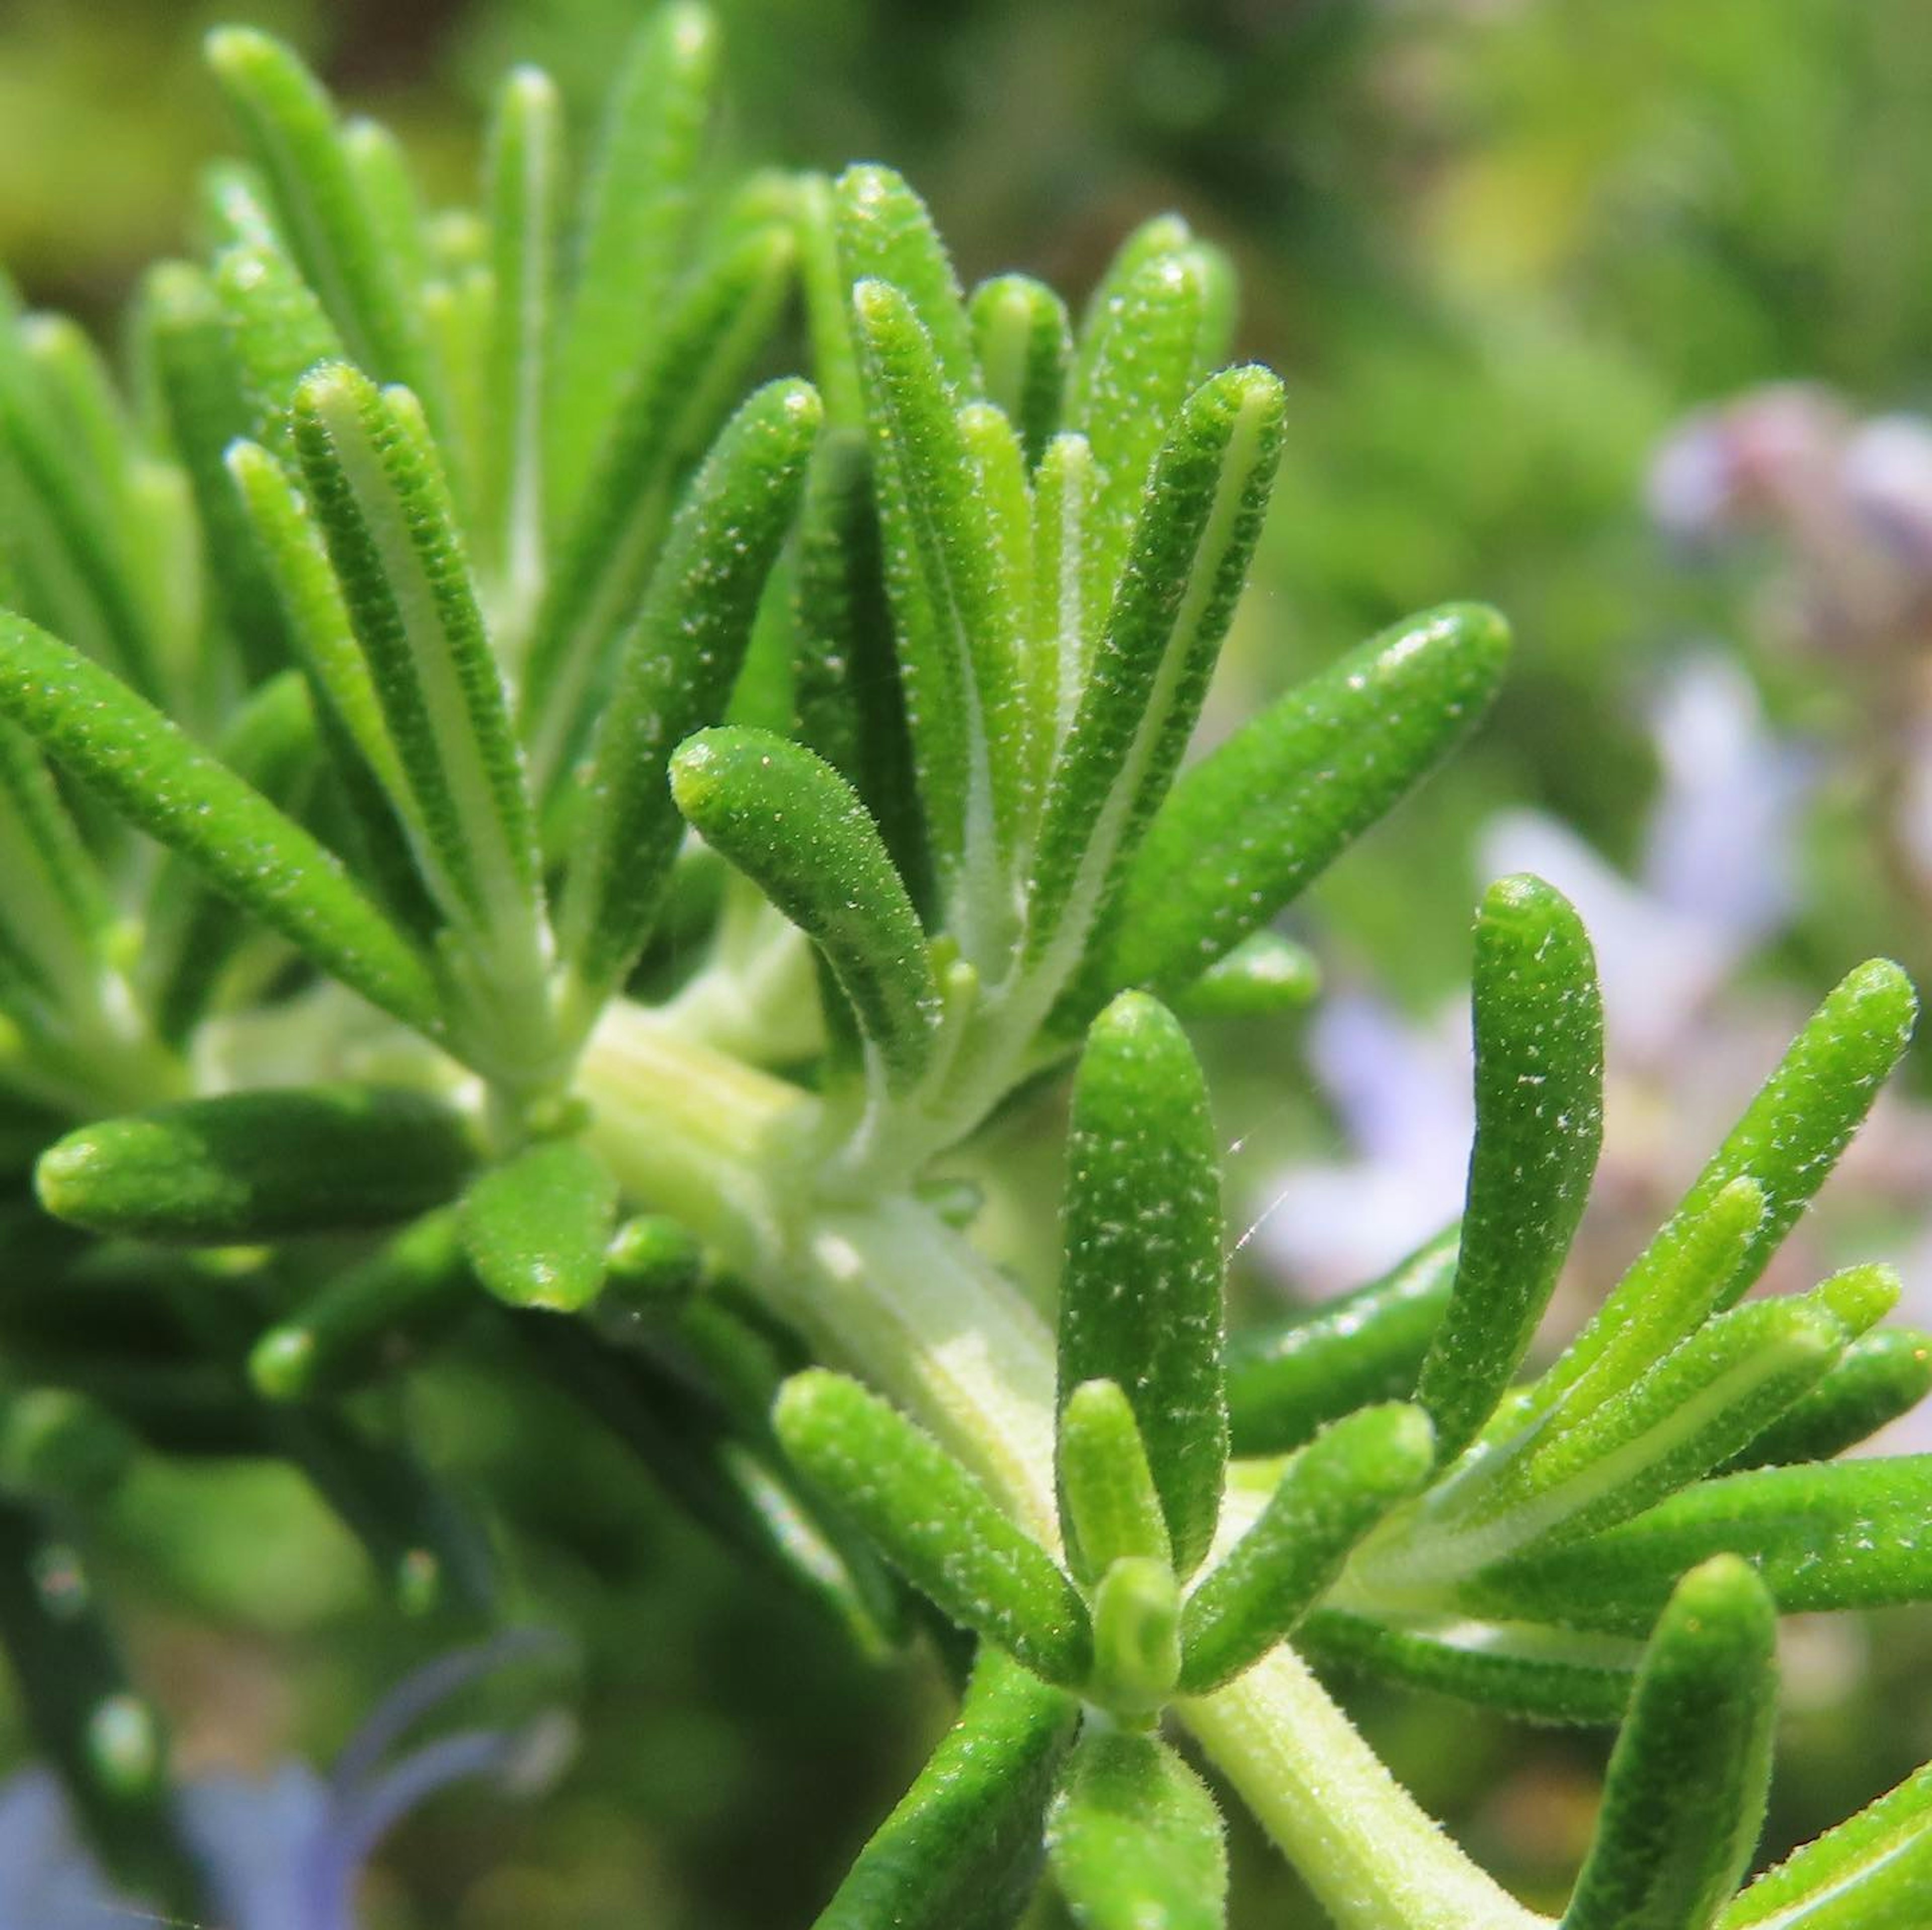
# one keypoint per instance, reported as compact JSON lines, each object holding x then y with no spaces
{"x":285,"y":1853}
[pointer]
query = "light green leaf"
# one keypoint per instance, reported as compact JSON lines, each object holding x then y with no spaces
{"x":1133,"y":1837}
{"x":1539,"y":1028}
{"x":885,"y":235}
{"x":1136,"y":1639}
{"x":160,"y":780}
{"x":935,"y":1522}
{"x":1140,"y":1291}
{"x":537,"y":1226}
{"x":1112,"y":1508}
{"x":678,"y":665}
{"x":251,"y":1165}
{"x":1331,"y":1495}
{"x":797,"y":830}
{"x":1022,"y":342}
{"x":1684,"y":1797}
{"x":1255,"y":821}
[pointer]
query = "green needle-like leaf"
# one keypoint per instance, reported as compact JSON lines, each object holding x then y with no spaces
{"x":251,"y":1166}
{"x":158,"y":780}
{"x":276,"y":332}
{"x":1147,"y":350}
{"x":1200,"y":518}
{"x":199,"y":386}
{"x":417,"y":1284}
{"x":1112,"y":1507}
{"x":611,"y":543}
{"x":1061,"y":640}
{"x":1691,"y":1265}
{"x":643,"y":179}
{"x":60,"y":1447}
{"x":935,"y":1522}
{"x":1788,"y":1141}
{"x":1879,"y":1376}
{"x":885,"y":235}
{"x":1285,"y":1381}
{"x":192,"y":932}
{"x":1254,"y":822}
{"x":1684,"y":1798}
{"x":525,"y":198}
{"x":679,"y":663}
{"x":792,"y":825}
{"x":319,"y":202}
{"x":1264,"y":975}
{"x":1823,"y":1536}
{"x":1872,"y":1872}
{"x":384,"y":510}
{"x":961,"y":1850}
{"x":1136,"y":1639}
{"x":959,"y":636}
{"x":1691,"y":1413}
{"x":1333,"y":1493}
{"x":536,"y":1227}
{"x":1133,"y":1837}
{"x":1022,"y":342}
{"x":1140,"y":1291}
{"x":1539,"y":1027}
{"x":1527,"y":1669}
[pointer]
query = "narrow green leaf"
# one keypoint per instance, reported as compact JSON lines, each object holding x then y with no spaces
{"x":885,"y":235}
{"x":319,"y":200}
{"x":1528,"y":1669}
{"x":611,"y":542}
{"x":1331,"y":1495}
{"x":1255,"y":821}
{"x":1684,"y":1797}
{"x":1690,"y":1414}
{"x":71,"y":557}
{"x":935,"y":1522}
{"x":1021,"y":342}
{"x":192,"y":932}
{"x":1061,"y":634}
{"x":1140,"y":1291}
{"x":198,"y":382}
{"x":251,"y":1166}
{"x":387,"y":191}
{"x":277,"y":332}
{"x":1829,"y":1535}
{"x":1144,"y":353}
{"x":1872,"y":1872}
{"x":1788,"y":1141}
{"x":525,"y":198}
{"x":1286,"y":1379}
{"x":417,"y":1284}
{"x":381,"y":502}
{"x":794,"y":826}
{"x":637,"y":212}
{"x":1539,"y":1027}
{"x":1200,"y":520}
{"x":1264,"y":974}
{"x":959,"y":639}
{"x":1136,"y":1613}
{"x":1111,"y":1507}
{"x":158,"y":780}
{"x":1690,"y":1267}
{"x":536,"y":1226}
{"x":679,"y":662}
{"x":654,"y":1263}
{"x":1878,"y":1377}
{"x":1134,"y":1838}
{"x":961,"y":1850}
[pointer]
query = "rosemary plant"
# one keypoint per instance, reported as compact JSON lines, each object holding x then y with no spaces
{"x":442,"y":644}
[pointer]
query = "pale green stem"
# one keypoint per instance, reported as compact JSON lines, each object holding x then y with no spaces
{"x":890,"y":1291}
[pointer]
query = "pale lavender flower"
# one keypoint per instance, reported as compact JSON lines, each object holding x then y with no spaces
{"x":284,"y":1854}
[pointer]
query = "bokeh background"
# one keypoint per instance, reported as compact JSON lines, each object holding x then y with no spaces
{"x":1511,"y":255}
